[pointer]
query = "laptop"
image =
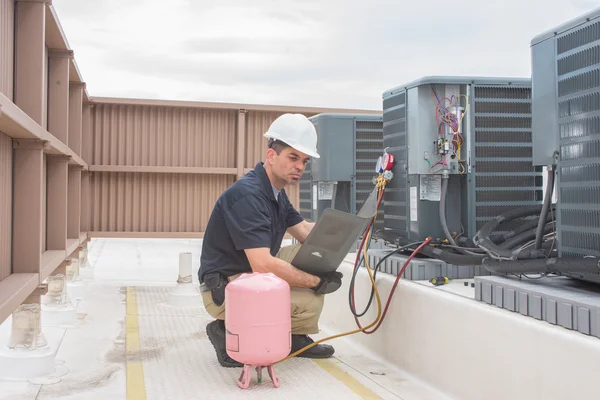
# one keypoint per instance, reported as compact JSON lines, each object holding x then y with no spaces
{"x":332,"y":237}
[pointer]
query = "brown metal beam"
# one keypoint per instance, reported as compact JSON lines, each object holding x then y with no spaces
{"x":30,"y":43}
{"x":74,"y":203}
{"x":161,"y":170}
{"x":27,"y":207}
{"x":86,"y":206}
{"x":56,"y":237}
{"x":229,"y":106}
{"x":14,"y":290}
{"x":58,"y":94}
{"x":86,"y":133}
{"x":15,"y":123}
{"x":75,"y":116}
{"x":241,"y":142}
{"x":146,"y":235}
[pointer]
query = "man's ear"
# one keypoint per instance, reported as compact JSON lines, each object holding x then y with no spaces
{"x":271,"y":154}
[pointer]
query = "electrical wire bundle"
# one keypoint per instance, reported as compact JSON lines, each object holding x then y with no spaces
{"x":447,"y":111}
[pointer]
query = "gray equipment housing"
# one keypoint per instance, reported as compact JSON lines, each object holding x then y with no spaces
{"x":566,"y":121}
{"x":342,"y":178}
{"x":496,"y":155}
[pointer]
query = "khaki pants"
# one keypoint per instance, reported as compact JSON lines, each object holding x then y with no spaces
{"x":306,"y":304}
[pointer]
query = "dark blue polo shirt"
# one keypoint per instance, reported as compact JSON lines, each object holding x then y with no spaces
{"x":246,"y":216}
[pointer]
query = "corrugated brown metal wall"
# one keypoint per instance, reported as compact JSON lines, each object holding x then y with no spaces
{"x":7,"y":18}
{"x":163,"y":136}
{"x":5,"y":204}
{"x":127,"y":200}
{"x":257,"y":123}
{"x":149,"y":202}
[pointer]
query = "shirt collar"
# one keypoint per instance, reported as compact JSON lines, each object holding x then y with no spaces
{"x":264,"y":179}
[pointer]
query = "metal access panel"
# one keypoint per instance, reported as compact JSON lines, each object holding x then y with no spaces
{"x":342,"y":178}
{"x":491,"y":172}
{"x":306,"y":195}
{"x":577,"y":57}
{"x":396,"y":209}
{"x":559,"y":300}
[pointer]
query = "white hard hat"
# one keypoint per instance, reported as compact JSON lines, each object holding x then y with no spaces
{"x":296,"y":131}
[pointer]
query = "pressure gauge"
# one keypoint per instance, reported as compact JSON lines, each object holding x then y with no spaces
{"x":379,"y":167}
{"x":388,"y":161}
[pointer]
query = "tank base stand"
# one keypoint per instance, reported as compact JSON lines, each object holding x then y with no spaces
{"x":244,"y":380}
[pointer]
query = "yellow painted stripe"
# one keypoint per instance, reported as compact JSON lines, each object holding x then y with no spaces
{"x":342,"y":376}
{"x":136,"y":389}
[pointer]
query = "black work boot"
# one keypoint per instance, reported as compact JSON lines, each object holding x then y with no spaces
{"x":216,"y":333}
{"x":318,"y":351}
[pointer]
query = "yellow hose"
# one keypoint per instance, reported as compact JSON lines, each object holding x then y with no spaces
{"x":376,"y":295}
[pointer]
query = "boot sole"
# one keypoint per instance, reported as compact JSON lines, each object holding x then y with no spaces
{"x":216,"y":347}
{"x":320,"y":356}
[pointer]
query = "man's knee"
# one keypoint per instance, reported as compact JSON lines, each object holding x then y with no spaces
{"x":287,"y":253}
{"x":217,"y":312}
{"x":306,"y":301}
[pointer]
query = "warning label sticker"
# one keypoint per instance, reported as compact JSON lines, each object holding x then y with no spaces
{"x":431,"y":187}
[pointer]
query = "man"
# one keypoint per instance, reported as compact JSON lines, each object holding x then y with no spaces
{"x":245,"y":231}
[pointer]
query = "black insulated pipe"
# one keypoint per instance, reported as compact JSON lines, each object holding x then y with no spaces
{"x":445,"y":255}
{"x":547,"y":201}
{"x":522,"y":238}
{"x":482,"y":238}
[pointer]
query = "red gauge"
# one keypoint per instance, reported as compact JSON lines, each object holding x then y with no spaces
{"x":388,"y":161}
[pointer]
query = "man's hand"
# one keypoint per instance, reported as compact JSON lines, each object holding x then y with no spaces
{"x":262,"y":261}
{"x":329,"y":283}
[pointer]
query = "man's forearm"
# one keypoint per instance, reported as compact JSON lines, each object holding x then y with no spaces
{"x":292,"y":275}
{"x":306,"y":228}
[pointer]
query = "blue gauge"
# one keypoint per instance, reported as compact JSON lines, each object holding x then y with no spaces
{"x":379,"y":167}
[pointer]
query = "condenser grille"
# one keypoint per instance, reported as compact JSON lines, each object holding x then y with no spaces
{"x":505,"y":177}
{"x":579,"y":128}
{"x":578,"y":105}
{"x":578,"y":38}
{"x":578,"y":82}
{"x":579,"y":60}
{"x":305,"y":208}
{"x":483,"y":135}
{"x":394,"y":138}
{"x":494,"y":107}
{"x":585,"y":81}
{"x":369,"y":146}
{"x":508,"y":181}
{"x":502,"y":152}
{"x":487,"y":93}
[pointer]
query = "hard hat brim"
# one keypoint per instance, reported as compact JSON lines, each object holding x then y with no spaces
{"x":298,"y":147}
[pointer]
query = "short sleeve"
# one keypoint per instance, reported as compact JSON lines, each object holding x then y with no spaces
{"x":249,"y":224}
{"x":293,"y":217}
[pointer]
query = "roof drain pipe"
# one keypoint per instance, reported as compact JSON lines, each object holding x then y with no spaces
{"x":544,"y":214}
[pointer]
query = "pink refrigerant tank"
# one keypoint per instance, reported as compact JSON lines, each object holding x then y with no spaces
{"x":258,"y":323}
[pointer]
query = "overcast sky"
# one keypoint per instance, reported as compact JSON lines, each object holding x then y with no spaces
{"x":305,"y":53}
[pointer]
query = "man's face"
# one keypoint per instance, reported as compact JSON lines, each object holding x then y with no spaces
{"x":288,"y":166}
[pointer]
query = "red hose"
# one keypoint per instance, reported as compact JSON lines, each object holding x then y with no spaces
{"x":414,"y":253}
